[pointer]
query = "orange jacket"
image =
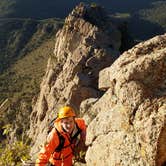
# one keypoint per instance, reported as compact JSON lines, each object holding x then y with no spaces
{"x":64,"y":157}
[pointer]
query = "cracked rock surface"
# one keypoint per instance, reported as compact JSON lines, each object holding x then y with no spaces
{"x":129,"y":127}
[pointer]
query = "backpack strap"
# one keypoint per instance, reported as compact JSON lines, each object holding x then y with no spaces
{"x":61,"y":141}
{"x":76,"y":134}
{"x":51,"y":125}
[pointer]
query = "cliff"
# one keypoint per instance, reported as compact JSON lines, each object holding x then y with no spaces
{"x":131,"y":114}
{"x":122,"y":101}
{"x":87,"y":43}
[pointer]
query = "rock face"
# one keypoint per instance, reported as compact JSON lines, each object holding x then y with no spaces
{"x":86,"y":44}
{"x":127,"y":125}
{"x":124,"y":103}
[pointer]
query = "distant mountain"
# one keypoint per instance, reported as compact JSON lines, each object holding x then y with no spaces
{"x":147,"y":15}
{"x":20,"y":36}
{"x":40,"y":9}
{"x":148,"y":22}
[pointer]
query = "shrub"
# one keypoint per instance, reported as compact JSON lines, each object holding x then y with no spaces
{"x":11,"y":154}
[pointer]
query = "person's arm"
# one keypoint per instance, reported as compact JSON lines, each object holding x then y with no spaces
{"x":82,"y":126}
{"x":48,"y":149}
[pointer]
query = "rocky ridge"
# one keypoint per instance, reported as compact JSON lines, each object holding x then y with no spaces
{"x":87,"y":43}
{"x":123,"y":103}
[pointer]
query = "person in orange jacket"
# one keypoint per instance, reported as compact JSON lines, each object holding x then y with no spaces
{"x":65,"y":139}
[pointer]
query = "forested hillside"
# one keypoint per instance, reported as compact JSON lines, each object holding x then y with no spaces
{"x":147,"y":15}
{"x":20,"y":36}
{"x":26,"y":46}
{"x":41,"y":9}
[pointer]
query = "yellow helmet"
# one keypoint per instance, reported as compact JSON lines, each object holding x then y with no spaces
{"x":65,"y":112}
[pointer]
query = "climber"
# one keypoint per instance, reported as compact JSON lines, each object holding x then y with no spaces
{"x":65,"y":140}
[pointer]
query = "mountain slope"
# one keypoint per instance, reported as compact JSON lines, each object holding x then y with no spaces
{"x":21,"y":73}
{"x":155,"y":14}
{"x":20,"y":36}
{"x":141,"y":12}
{"x":27,"y":8}
{"x":20,"y":83}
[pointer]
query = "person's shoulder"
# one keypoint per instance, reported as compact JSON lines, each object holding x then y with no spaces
{"x":81,"y":123}
{"x":53,"y":135}
{"x":80,"y":120}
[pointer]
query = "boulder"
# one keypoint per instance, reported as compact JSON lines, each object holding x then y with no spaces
{"x":129,"y":126}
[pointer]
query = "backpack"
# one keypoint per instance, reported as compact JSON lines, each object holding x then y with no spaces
{"x":61,"y":138}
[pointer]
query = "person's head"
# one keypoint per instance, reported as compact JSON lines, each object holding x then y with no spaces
{"x":66,"y":115}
